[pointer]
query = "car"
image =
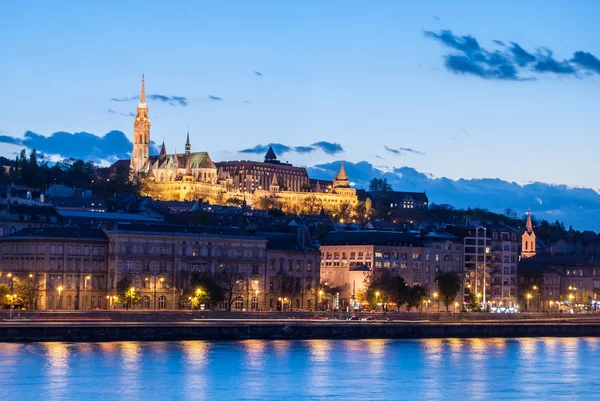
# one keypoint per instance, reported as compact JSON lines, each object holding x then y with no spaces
{"x":368,"y":319}
{"x":353,"y":318}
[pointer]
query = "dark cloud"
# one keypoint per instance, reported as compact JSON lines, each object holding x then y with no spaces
{"x":577,"y":206}
{"x":130,"y":114}
{"x":402,"y":151}
{"x":521,"y":56}
{"x":512,"y":63}
{"x":9,"y":139}
{"x":327,"y":147}
{"x":304,"y":149}
{"x":547,"y":63}
{"x":258,"y":73}
{"x":170,"y":100}
{"x":587,"y":61}
{"x":216,"y":98}
{"x":331,"y":148}
{"x":259,"y":149}
{"x":109,"y":147}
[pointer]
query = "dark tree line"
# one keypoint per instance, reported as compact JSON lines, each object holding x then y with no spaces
{"x":35,"y":171}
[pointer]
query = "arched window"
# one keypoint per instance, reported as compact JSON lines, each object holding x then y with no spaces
{"x":271,"y":303}
{"x":162,"y":302}
{"x":50,"y":301}
{"x":145,"y":302}
{"x":309,"y":304}
{"x":254,"y":303}
{"x":297,"y":304}
{"x":69,"y":302}
{"x":1,"y":231}
{"x":99,"y":303}
{"x":92,"y":302}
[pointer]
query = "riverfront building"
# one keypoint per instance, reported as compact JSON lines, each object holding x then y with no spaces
{"x":67,"y":267}
{"x":347,"y":258}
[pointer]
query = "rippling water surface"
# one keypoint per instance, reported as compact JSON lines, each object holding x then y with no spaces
{"x":475,"y":369}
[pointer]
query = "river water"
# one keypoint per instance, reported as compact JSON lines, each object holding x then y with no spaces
{"x":453,"y":369}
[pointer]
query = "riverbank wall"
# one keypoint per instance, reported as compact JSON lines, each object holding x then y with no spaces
{"x":283,"y":330}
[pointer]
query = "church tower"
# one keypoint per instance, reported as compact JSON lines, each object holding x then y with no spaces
{"x":141,"y":134}
{"x":528,"y":239}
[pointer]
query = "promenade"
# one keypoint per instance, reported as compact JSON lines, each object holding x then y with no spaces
{"x":178,"y":325}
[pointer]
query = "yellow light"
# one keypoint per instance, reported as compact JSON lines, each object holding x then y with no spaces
{"x":162,"y":279}
{"x":87,"y":277}
{"x":528,"y":296}
{"x":320,"y":292}
{"x":30,"y":275}
{"x":132,"y":289}
{"x":9,"y":275}
{"x":435,"y":294}
{"x":377,"y":294}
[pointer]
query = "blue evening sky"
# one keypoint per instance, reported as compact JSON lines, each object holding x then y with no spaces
{"x":359,"y":73}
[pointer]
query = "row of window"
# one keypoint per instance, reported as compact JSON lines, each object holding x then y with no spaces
{"x":55,"y":249}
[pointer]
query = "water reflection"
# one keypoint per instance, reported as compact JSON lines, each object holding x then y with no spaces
{"x":453,"y":369}
{"x":56,"y":370}
{"x":131,"y":354}
{"x":195,"y":359}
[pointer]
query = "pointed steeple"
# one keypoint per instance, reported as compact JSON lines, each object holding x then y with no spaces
{"x":143,"y":95}
{"x":274,"y":184}
{"x":342,"y":174}
{"x":341,"y":179}
{"x":188,"y":147}
{"x":163,"y":149}
{"x":529,"y":224}
{"x":270,"y":156}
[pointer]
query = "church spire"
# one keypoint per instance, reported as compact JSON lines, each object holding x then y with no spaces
{"x":188,"y":147}
{"x":163,"y":149}
{"x":341,"y":179}
{"x":143,"y":95}
{"x":529,"y":224}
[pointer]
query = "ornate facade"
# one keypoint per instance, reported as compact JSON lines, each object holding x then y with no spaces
{"x":193,"y":175}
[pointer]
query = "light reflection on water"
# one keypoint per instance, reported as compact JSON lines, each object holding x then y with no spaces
{"x":473,"y":369}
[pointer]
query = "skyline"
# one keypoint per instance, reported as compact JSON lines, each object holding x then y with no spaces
{"x":305,"y":74}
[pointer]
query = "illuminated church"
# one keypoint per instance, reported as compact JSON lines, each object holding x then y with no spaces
{"x":193,"y":175}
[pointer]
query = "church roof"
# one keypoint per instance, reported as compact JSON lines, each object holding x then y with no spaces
{"x":195,"y":160}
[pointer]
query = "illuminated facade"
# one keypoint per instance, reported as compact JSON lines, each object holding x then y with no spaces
{"x":193,"y":175}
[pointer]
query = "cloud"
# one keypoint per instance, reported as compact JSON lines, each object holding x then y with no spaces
{"x":587,"y":61}
{"x":327,"y":147}
{"x":216,"y":98}
{"x":130,"y":114}
{"x":512,"y":63}
{"x":259,"y":149}
{"x":579,"y":207}
{"x":521,"y":56}
{"x":258,"y":73}
{"x":304,"y":149}
{"x":109,"y":147}
{"x":403,"y":151}
{"x":331,"y":148}
{"x":170,"y":100}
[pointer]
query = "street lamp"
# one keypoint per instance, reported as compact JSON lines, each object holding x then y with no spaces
{"x":131,"y":295}
{"x":320,"y":300}
{"x":435,"y":295}
{"x":85,"y":279}
{"x":455,"y":307}
{"x":528,"y":298}
{"x":60,"y":288}
{"x":376,"y":300}
{"x":281,"y":301}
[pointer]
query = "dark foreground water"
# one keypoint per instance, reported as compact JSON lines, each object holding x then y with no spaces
{"x":475,"y":369}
